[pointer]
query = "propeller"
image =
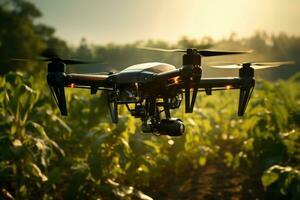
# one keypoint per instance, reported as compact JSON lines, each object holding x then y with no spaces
{"x":254,"y":65}
{"x":205,"y":53}
{"x":50,"y":55}
{"x":54,"y":59}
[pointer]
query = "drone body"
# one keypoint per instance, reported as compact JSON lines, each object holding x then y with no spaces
{"x":150,"y":89}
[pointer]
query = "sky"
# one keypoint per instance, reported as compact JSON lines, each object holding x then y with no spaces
{"x":125,"y":21}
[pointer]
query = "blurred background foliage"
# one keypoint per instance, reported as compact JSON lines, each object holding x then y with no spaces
{"x":44,"y":156}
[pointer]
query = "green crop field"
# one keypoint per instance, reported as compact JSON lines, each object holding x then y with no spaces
{"x":84,"y":156}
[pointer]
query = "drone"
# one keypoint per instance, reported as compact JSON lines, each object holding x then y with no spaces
{"x":150,"y":89}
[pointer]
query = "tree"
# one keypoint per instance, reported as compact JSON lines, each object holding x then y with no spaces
{"x":20,"y":37}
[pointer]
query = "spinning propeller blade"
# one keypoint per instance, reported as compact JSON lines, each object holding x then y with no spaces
{"x":254,"y":65}
{"x":49,"y":55}
{"x":65,"y":61}
{"x":205,"y":53}
{"x":162,"y":50}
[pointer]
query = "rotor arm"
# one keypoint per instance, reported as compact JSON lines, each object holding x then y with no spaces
{"x":215,"y":83}
{"x":86,"y":81}
{"x":226,"y":83}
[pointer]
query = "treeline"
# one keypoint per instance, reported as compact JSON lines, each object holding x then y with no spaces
{"x":22,"y":37}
